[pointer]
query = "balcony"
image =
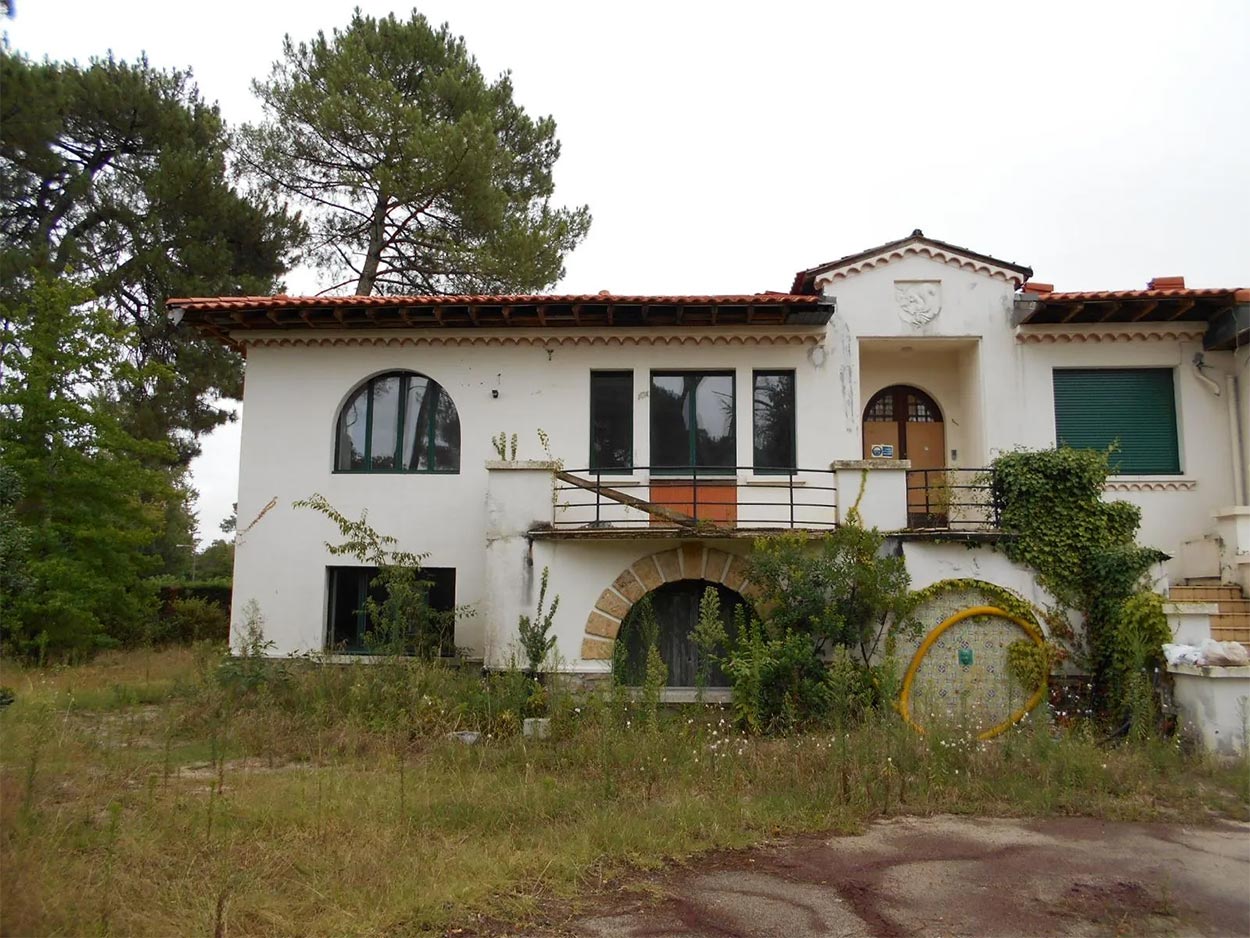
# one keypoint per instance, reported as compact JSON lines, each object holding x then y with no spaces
{"x":951,"y":500}
{"x":710,"y":502}
{"x":541,"y":499}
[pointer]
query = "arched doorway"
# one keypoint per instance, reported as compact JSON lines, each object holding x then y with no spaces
{"x":903,"y":422}
{"x":909,"y":422}
{"x":675,"y":610}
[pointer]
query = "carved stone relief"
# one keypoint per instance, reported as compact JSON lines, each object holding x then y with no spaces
{"x":919,"y":301}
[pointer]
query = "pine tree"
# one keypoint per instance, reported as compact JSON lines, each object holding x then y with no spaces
{"x":420,"y":176}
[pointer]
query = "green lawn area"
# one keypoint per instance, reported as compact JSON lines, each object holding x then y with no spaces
{"x":141,"y":795}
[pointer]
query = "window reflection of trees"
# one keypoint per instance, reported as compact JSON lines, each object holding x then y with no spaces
{"x":773,"y":412}
{"x":692,"y":420}
{"x":398,"y":422}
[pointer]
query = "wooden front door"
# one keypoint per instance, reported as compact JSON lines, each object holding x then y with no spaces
{"x":909,"y":423}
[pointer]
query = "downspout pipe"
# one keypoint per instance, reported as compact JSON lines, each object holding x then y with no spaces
{"x":1235,"y":430}
{"x":1237,"y":433}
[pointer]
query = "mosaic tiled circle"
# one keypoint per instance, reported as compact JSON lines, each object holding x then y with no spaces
{"x":963,"y":678}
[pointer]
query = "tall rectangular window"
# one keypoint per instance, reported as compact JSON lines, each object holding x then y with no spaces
{"x":1134,"y":408}
{"x":773,"y":419}
{"x":349,"y":623}
{"x":692,"y":421}
{"x":612,"y":420}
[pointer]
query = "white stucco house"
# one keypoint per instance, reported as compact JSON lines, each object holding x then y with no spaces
{"x":683,"y":426}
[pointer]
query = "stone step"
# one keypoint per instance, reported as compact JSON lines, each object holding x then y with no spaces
{"x":1205,"y":594}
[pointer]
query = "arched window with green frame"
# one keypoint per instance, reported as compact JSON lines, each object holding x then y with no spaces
{"x":400,"y":421}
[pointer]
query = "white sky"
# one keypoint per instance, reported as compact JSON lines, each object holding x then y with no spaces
{"x":721,"y":147}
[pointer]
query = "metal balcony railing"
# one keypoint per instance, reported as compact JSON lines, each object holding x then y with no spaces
{"x":951,"y":499}
{"x":698,"y":499}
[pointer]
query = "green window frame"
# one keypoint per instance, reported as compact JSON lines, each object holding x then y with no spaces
{"x":612,"y":421}
{"x":377,"y":432}
{"x":705,"y":441}
{"x":774,"y":445}
{"x":1133,"y":409}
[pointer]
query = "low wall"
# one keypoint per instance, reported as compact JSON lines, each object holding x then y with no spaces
{"x":1214,"y":706}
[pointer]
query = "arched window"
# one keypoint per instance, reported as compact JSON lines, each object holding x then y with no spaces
{"x":398,"y":422}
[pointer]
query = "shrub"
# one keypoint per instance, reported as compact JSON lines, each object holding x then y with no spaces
{"x":537,"y":642}
{"x":835,"y":589}
{"x":190,"y":620}
{"x":1141,"y":629}
{"x":1082,"y":547}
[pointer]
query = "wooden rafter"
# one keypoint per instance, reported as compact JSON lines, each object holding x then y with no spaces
{"x":656,"y":511}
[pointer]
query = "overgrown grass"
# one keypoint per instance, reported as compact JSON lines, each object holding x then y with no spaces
{"x":331,"y":801}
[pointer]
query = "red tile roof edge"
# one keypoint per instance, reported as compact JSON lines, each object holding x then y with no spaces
{"x":1238,"y":294}
{"x":281,"y":301}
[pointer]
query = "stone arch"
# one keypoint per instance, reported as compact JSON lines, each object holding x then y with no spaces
{"x":688,"y":562}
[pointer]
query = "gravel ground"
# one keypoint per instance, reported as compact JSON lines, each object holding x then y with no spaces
{"x":946,"y":876}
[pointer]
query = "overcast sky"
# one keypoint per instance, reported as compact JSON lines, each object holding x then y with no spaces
{"x":721,"y":147}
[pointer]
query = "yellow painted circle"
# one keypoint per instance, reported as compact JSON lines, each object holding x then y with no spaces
{"x":904,"y":700}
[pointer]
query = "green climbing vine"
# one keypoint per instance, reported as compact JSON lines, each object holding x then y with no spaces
{"x":1083,"y":548}
{"x":999,"y":596}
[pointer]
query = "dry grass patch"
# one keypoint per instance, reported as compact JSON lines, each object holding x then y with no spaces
{"x":331,"y":801}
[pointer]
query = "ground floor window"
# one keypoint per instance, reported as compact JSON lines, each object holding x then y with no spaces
{"x":1133,"y":408}
{"x":348,"y":628}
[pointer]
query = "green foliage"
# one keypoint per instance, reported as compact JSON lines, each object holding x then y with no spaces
{"x":1028,"y":664}
{"x":851,"y":692}
{"x":115,"y":177}
{"x":780,"y":684}
{"x":250,"y":668}
{"x":1000,"y":596}
{"x":627,"y":670}
{"x":835,"y":589}
{"x":83,"y":500}
{"x":216,"y":561}
{"x":537,"y":642}
{"x":500,"y":442}
{"x":1082,"y":547}
{"x":421,"y":176}
{"x":1140,"y":631}
{"x":191,"y":619}
{"x":402,"y":623}
{"x":709,"y":636}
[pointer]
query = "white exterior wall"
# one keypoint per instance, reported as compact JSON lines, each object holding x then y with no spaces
{"x":292,"y":398}
{"x":1174,"y":508}
{"x":995,"y":392}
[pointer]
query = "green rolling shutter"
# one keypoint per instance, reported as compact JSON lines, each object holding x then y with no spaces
{"x":1133,"y":407}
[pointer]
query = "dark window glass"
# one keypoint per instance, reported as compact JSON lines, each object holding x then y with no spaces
{"x":384,"y":423}
{"x":1132,"y":408}
{"x":774,"y":420}
{"x":353,"y":428}
{"x":399,"y":422}
{"x":611,"y":419}
{"x":692,"y":421}
{"x":881,"y":409}
{"x":351,"y":586}
{"x":920,"y":410}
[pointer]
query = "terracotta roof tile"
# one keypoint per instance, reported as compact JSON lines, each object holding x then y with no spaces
{"x":282,"y":301}
{"x":1238,"y":294}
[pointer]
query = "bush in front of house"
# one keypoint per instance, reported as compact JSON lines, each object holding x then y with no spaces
{"x":826,"y":607}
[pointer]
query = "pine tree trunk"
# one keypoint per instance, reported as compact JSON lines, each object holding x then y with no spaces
{"x":373,"y":255}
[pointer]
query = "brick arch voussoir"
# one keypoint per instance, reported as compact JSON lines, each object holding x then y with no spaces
{"x":691,"y":561}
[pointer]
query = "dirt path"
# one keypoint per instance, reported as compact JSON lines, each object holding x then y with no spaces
{"x":958,"y":876}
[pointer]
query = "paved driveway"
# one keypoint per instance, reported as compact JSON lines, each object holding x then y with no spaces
{"x":958,"y":876}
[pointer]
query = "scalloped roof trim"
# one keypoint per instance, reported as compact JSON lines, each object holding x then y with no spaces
{"x":950,"y":258}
